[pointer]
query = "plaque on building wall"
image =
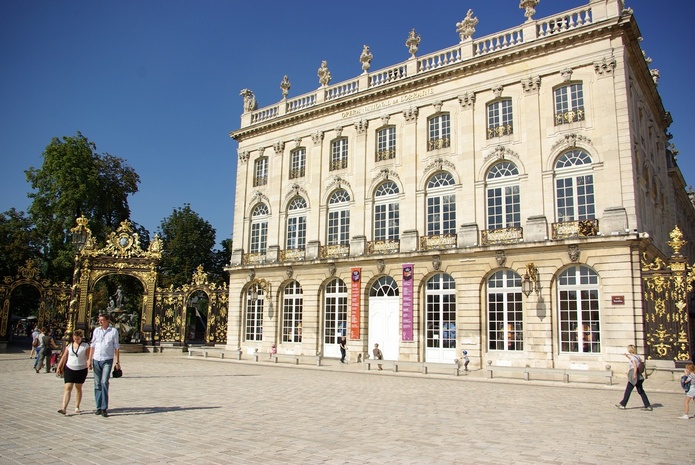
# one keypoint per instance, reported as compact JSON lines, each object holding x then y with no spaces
{"x":618,"y":299}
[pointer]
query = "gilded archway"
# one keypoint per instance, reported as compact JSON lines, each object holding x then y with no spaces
{"x":122,"y":255}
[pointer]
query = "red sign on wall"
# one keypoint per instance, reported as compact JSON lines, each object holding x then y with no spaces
{"x":355,"y":299}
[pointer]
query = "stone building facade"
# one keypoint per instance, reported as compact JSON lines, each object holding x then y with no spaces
{"x":499,"y":197}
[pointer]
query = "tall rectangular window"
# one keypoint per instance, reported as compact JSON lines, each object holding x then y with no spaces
{"x":260,"y":177}
{"x":386,"y":144}
{"x":339,"y":154}
{"x":439,"y":132}
{"x":569,"y":104}
{"x":297,"y":163}
{"x":503,"y":207}
{"x":254,"y":318}
{"x":499,"y":119}
{"x":296,"y":232}
{"x":339,"y":227}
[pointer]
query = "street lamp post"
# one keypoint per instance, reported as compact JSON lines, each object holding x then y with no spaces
{"x":79,"y":237}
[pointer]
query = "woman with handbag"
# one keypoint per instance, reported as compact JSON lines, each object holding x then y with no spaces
{"x":73,"y":367}
{"x":635,"y":379}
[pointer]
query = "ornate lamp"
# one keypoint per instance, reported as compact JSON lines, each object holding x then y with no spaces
{"x":530,"y":281}
{"x":79,"y":235}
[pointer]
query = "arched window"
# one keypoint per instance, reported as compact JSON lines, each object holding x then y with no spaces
{"x":441,"y":205}
{"x":440,"y":316}
{"x":292,"y":306}
{"x":259,"y":228}
{"x":339,"y":218}
{"x":335,"y":311}
{"x":574,"y":187}
{"x":505,"y":314}
{"x":385,"y":286}
{"x":579,"y":319}
{"x":386,"y":212}
{"x":296,"y":224}
{"x":503,"y":202}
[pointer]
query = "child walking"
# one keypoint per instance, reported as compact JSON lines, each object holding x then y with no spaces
{"x":690,"y":395}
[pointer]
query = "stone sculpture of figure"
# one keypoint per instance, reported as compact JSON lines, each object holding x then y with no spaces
{"x":366,"y":58}
{"x":249,"y":100}
{"x":324,"y":74}
{"x":120,"y":298}
{"x":285,"y":86}
{"x":111,"y":306}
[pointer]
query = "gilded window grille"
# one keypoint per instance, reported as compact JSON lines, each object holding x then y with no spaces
{"x":387,"y":154}
{"x":569,"y":116}
{"x":499,"y":131}
{"x":581,"y":228}
{"x":251,"y":258}
{"x":334,"y":251}
{"x":441,"y":143}
{"x":297,"y":173}
{"x":292,"y":255}
{"x":338,"y":164}
{"x":260,"y":181}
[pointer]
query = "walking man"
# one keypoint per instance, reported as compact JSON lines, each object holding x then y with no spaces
{"x":103,"y":349}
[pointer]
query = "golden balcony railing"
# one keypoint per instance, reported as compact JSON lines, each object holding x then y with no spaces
{"x":571,"y":116}
{"x":297,"y":173}
{"x":499,"y":131}
{"x":334,"y":251}
{"x":435,"y":144}
{"x":260,"y":181}
{"x":292,"y":255}
{"x":502,"y":236}
{"x":441,"y":241}
{"x":251,"y":258}
{"x":581,"y":228}
{"x":386,"y":154}
{"x":382,"y":247}
{"x":338,"y":164}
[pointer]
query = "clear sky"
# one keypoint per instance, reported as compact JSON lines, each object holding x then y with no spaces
{"x":157,"y":82}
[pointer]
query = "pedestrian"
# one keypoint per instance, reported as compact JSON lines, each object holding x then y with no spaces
{"x":103,"y":350}
{"x":343,"y":349}
{"x":690,"y":395}
{"x":378,"y":355}
{"x":47,"y":346}
{"x":39,"y":349}
{"x":273,"y":351}
{"x":35,"y":342}
{"x":73,"y":367}
{"x":466,"y":360}
{"x":634,"y":379}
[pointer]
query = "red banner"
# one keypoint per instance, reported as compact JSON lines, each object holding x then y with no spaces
{"x":355,"y":299}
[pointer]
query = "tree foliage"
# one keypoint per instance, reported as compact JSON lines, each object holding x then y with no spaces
{"x":74,"y":180}
{"x":19,"y":241}
{"x":188,"y":241}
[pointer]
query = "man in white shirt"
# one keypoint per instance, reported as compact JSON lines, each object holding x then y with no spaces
{"x":103,"y":349}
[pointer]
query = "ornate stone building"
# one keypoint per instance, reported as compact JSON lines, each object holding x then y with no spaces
{"x":504,"y":196}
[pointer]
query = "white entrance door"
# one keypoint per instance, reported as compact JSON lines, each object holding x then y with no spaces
{"x":383,"y":326}
{"x":335,"y":317}
{"x":440,"y":319}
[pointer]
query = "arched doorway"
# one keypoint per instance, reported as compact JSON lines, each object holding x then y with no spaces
{"x":383,"y":317}
{"x":196,"y":318}
{"x":122,"y":298}
{"x":335,"y":320}
{"x":440,"y":318}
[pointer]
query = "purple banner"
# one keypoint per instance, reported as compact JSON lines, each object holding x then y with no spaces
{"x":407,"y":313}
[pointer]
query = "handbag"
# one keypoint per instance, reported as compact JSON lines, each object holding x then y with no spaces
{"x":117,"y":373}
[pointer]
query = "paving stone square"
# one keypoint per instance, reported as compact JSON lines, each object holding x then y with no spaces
{"x":191,"y":410}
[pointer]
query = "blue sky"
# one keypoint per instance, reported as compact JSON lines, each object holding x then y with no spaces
{"x":157,"y":82}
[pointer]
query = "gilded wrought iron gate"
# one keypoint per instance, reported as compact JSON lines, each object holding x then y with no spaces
{"x":53,"y":300}
{"x":170,"y":311}
{"x":665,"y":293}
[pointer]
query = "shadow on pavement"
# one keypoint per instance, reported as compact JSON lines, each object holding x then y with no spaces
{"x":117,"y":412}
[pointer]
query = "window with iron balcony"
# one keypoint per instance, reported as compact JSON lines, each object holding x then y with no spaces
{"x":500,"y":121}
{"x":260,"y":177}
{"x":569,"y":104}
{"x":298,"y":163}
{"x":439,"y":132}
{"x":339,"y":154}
{"x":386,"y":144}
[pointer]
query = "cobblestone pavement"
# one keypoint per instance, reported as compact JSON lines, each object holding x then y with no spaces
{"x":190,"y":410}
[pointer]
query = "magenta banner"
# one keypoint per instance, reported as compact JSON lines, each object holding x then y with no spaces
{"x":407,"y":313}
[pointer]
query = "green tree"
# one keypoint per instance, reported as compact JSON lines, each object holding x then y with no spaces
{"x":74,"y":180}
{"x":221,"y":258}
{"x":19,"y":241}
{"x":188,"y":241}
